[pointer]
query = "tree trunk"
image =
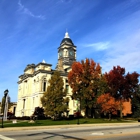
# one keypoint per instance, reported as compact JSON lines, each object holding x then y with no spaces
{"x":110,"y":116}
{"x":121,"y":116}
{"x":92,"y":112}
{"x":86,"y":112}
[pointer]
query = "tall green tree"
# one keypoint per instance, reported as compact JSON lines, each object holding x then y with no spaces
{"x":85,"y":79}
{"x":54,"y":100}
{"x":136,"y":104}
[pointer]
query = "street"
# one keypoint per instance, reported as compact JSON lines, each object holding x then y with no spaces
{"x":115,"y":132}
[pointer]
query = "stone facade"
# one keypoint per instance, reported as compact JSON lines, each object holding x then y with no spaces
{"x":33,"y":83}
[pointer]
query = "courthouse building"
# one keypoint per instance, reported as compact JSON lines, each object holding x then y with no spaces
{"x":34,"y":81}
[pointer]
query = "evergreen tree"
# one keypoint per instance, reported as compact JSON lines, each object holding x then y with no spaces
{"x":136,"y":104}
{"x":54,"y":99}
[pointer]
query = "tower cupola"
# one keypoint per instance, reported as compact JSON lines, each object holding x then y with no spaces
{"x":66,"y":53}
{"x":66,"y":40}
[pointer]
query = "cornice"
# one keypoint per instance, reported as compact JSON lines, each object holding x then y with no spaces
{"x":45,"y":64}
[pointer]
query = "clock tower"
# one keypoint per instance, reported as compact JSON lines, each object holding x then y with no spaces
{"x":66,"y":53}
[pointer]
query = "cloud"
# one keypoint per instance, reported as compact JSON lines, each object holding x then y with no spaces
{"x":118,"y":44}
{"x":124,"y":53}
{"x":91,"y":49}
{"x":99,"y":46}
{"x":128,"y":60}
{"x":25,"y":10}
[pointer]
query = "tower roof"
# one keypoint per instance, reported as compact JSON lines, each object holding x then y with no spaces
{"x":66,"y":39}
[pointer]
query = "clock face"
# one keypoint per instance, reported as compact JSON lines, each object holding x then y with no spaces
{"x":60,"y":53}
{"x":71,"y":53}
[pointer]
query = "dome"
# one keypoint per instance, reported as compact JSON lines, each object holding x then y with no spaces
{"x":67,"y":39}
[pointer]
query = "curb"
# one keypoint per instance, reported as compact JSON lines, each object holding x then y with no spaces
{"x":67,"y":126}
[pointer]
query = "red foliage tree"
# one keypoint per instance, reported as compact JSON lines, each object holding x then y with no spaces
{"x":132,"y":83}
{"x":121,"y":86}
{"x":115,"y":79}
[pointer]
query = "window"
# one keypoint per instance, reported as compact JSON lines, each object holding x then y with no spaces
{"x":24,"y":103}
{"x":44,"y":84}
{"x":66,"y":80}
{"x":14,"y":110}
{"x":67,"y":88}
{"x":67,"y":103}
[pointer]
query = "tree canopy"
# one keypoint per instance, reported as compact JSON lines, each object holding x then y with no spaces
{"x":108,"y":104}
{"x":85,"y":80}
{"x":121,"y":85}
{"x":54,"y":99}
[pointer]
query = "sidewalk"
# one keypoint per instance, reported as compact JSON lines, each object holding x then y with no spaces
{"x":69,"y":126}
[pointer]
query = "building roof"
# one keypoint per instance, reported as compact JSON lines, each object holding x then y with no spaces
{"x":29,"y":66}
{"x":66,"y":39}
{"x":42,"y":63}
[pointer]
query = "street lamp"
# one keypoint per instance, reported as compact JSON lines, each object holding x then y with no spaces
{"x":4,"y":104}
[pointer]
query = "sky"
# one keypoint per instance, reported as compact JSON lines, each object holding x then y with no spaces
{"x":107,"y":31}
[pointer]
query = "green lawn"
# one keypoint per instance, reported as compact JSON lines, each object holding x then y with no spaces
{"x":62,"y":122}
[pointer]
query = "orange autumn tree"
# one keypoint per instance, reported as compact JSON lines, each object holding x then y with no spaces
{"x":84,"y":79}
{"x":108,"y":104}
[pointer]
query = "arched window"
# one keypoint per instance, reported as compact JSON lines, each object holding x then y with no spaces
{"x":44,"y":84}
{"x":24,"y":103}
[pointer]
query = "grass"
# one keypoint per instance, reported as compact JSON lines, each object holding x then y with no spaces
{"x":62,"y":122}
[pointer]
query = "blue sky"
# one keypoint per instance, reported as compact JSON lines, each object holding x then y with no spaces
{"x":108,"y":31}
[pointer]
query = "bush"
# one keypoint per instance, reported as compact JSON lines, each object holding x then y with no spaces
{"x":12,"y":117}
{"x":38,"y":114}
{"x":23,"y":118}
{"x":71,"y":117}
{"x":77,"y":115}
